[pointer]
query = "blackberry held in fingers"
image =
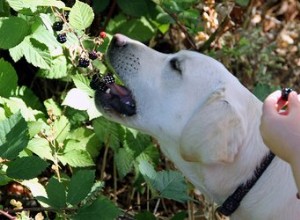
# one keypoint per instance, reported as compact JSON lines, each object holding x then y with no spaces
{"x":285,"y":93}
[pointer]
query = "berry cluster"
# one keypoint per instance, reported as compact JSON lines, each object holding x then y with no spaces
{"x":61,"y":27}
{"x":98,"y":83}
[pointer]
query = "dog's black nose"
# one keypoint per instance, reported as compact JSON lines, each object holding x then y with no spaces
{"x":120,"y":40}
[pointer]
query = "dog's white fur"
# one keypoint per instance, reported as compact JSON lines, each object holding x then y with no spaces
{"x":207,"y":123}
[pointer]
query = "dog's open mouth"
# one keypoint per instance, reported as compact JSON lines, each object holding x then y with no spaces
{"x":112,"y":96}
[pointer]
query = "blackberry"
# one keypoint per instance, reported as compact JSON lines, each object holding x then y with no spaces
{"x":97,"y":83}
{"x":83,"y":62}
{"x":57,"y":26}
{"x":93,"y":55}
{"x":108,"y":79}
{"x":285,"y":93}
{"x":61,"y":38}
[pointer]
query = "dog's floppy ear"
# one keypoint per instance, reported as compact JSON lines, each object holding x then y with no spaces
{"x":214,"y":133}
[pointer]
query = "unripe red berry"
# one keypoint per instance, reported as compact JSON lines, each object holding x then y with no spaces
{"x":103,"y":34}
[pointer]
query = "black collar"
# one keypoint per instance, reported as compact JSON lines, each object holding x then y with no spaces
{"x":234,"y":200}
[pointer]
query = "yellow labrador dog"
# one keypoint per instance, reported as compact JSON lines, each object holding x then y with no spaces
{"x":206,"y":122}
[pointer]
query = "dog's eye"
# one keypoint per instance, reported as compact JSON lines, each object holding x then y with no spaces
{"x":175,"y":64}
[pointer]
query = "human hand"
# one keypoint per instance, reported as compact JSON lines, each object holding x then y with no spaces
{"x":280,"y":129}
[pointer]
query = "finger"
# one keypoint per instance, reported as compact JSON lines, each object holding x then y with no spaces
{"x":294,"y":103}
{"x":270,"y":105}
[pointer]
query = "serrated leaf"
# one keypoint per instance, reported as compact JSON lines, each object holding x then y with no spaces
{"x":44,"y":36}
{"x":26,"y":167}
{"x":171,"y":185}
{"x":137,"y":144}
{"x":81,"y":15}
{"x":8,"y":78}
{"x":57,"y":68}
{"x":18,"y":5}
{"x":29,"y":97}
{"x":12,"y":31}
{"x":124,"y":161}
{"x":34,"y":55}
{"x":108,"y":132}
{"x":14,"y":136}
{"x":168,"y":184}
{"x":78,"y":99}
{"x":102,"y":208}
{"x":62,"y":128}
{"x":80,"y":185}
{"x":83,"y":83}
{"x":77,"y":158}
{"x":56,"y":193}
{"x":53,"y":107}
{"x":41,"y":147}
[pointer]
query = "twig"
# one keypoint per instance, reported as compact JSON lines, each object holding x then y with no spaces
{"x":183,"y":29}
{"x":156,"y":206}
{"x":214,"y":35}
{"x":109,"y":14}
{"x":7,"y":215}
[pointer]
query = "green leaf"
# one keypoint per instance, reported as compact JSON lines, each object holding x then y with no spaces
{"x":41,"y":147}
{"x":138,"y":29}
{"x":56,"y":193}
{"x":57,"y":68}
{"x":62,"y":128}
{"x":83,"y":83}
{"x":26,"y":167}
{"x":18,"y":5}
{"x":146,"y":215}
{"x":78,"y":99}
{"x":261,"y":91}
{"x":108,"y":132}
{"x":135,"y":7}
{"x":99,"y":6}
{"x":13,"y":136}
{"x":81,"y":15}
{"x":124,"y":161}
{"x":8,"y":78}
{"x":137,"y":144}
{"x":171,"y":185}
{"x":102,"y":208}
{"x":243,"y":3}
{"x":77,"y":158}
{"x":80,"y":185}
{"x":29,"y":97}
{"x":34,"y":53}
{"x":180,"y":216}
{"x":12,"y":31}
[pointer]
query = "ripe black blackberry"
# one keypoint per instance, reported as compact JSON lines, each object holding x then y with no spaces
{"x":61,"y":38}
{"x":285,"y":93}
{"x":57,"y":26}
{"x":93,"y":55}
{"x":108,"y":79}
{"x":83,"y":62}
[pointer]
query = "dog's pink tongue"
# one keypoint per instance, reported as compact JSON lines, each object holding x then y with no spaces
{"x":118,"y":90}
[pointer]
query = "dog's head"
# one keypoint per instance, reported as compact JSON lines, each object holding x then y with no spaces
{"x":185,"y":96}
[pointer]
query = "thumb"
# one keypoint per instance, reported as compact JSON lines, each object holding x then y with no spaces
{"x":294,"y":103}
